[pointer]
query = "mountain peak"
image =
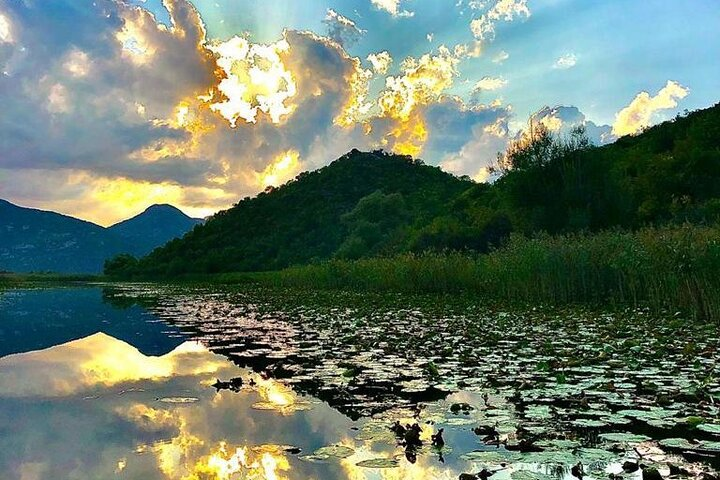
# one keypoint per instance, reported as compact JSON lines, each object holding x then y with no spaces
{"x":162,"y":207}
{"x":155,"y":226}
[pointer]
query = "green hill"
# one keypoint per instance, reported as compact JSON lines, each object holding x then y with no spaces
{"x":361,"y":204}
{"x":33,"y":240}
{"x":155,"y":226}
{"x":377,"y":204}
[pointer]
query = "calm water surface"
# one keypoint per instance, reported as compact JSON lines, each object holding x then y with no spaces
{"x":138,"y":382}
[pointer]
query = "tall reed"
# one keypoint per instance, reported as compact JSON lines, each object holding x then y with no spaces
{"x":668,"y":268}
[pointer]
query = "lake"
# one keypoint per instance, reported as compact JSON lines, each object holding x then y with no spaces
{"x":141,"y":381}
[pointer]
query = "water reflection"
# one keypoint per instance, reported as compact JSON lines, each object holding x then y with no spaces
{"x":100,"y":407}
{"x":37,"y":319}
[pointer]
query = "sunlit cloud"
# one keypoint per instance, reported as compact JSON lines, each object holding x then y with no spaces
{"x":638,"y":115}
{"x":57,"y":99}
{"x":5,"y":29}
{"x":483,"y":28}
{"x":285,"y":167}
{"x":117,"y":109}
{"x":97,"y":360}
{"x":501,"y":57}
{"x":380,"y":62}
{"x":422,"y":81}
{"x":566,"y":61}
{"x":489,"y":84}
{"x":77,"y":63}
{"x":341,"y":29}
{"x":392,"y":7}
{"x":255,"y":80}
{"x":562,"y":120}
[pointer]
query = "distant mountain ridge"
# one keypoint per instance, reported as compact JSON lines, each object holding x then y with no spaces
{"x":369,"y":204}
{"x":156,"y":226}
{"x":362,"y":203}
{"x":33,"y":240}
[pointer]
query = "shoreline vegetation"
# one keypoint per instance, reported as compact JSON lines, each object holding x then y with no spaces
{"x":670,"y":269}
{"x":634,"y":224}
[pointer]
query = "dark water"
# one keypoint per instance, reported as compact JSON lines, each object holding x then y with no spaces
{"x":100,"y":383}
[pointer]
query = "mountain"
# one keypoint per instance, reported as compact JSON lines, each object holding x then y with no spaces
{"x":154,"y":227}
{"x":360,"y":204}
{"x":33,"y":240}
{"x":370,"y":204}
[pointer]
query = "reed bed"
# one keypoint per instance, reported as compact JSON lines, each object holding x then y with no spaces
{"x":664,"y":269}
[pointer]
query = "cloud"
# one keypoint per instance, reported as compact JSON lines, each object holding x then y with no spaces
{"x":501,"y":57}
{"x":5,"y":29}
{"x":479,"y":153}
{"x":341,"y":29}
{"x":638,"y":115}
{"x":422,"y":81}
{"x":392,"y":7}
{"x":489,"y":83}
{"x":563,"y":119}
{"x":566,"y":61}
{"x":380,"y":61}
{"x":483,"y":28}
{"x":106,"y":111}
{"x":255,"y":80}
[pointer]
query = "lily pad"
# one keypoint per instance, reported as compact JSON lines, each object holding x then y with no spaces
{"x":710,"y":428}
{"x":624,"y":437}
{"x":334,"y":451}
{"x":378,"y":463}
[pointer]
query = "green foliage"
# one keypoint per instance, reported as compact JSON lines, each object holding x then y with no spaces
{"x":374,"y":226}
{"x":668,"y":268}
{"x":552,"y":224}
{"x":358,"y":205}
{"x":120,"y":265}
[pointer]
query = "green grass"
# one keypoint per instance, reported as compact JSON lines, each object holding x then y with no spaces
{"x":17,"y":280}
{"x":669,"y":269}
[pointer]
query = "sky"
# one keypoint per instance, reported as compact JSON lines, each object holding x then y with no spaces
{"x":110,"y":106}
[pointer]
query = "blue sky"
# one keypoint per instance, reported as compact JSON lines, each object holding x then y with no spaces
{"x":111,"y":106}
{"x":623,"y":46}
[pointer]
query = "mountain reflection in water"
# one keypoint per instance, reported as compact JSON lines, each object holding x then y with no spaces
{"x":98,"y":408}
{"x":119,"y":385}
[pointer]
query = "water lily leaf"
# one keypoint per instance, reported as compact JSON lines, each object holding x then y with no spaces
{"x":378,"y":463}
{"x":488,"y":456}
{"x":709,"y":446}
{"x":588,"y":423}
{"x":528,"y":475}
{"x":679,"y":443}
{"x":710,"y":427}
{"x":334,"y":451}
{"x":624,"y":437}
{"x":558,"y":444}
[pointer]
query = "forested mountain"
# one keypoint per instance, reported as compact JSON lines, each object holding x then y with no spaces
{"x":34,"y":240}
{"x":156,"y":226}
{"x":361,"y":204}
{"x":368,"y":204}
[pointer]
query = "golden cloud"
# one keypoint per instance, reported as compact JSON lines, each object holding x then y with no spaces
{"x":489,"y":83}
{"x":254,"y":79}
{"x":285,"y":167}
{"x":380,"y":61}
{"x":422,"y":82}
{"x":96,"y":360}
{"x":6,"y":35}
{"x":636,"y":116}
